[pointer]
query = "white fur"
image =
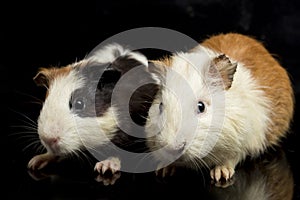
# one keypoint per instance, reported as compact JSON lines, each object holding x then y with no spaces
{"x":234,"y":123}
{"x":107,"y":54}
{"x":57,"y":120}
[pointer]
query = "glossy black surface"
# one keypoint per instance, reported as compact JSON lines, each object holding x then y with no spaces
{"x":262,"y":178}
{"x":49,"y":33}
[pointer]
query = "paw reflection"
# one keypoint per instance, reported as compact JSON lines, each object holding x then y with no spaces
{"x":108,"y":178}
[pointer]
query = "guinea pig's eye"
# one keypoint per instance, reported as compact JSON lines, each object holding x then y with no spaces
{"x":77,"y":104}
{"x":161,"y":106}
{"x":201,"y":107}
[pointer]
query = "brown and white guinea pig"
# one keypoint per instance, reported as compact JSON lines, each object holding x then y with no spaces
{"x":225,"y":99}
{"x":78,"y":112}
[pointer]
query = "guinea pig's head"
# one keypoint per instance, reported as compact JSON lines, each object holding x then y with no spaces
{"x":186,"y":116}
{"x":78,"y":111}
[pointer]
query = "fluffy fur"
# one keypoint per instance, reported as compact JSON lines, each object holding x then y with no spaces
{"x":64,"y":128}
{"x":73,"y":131}
{"x":241,"y":118}
{"x":110,"y":52}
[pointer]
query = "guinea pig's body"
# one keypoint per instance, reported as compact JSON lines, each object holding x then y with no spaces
{"x":78,"y":112}
{"x":240,"y":103}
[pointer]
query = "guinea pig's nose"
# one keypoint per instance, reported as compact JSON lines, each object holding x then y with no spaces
{"x":180,"y":146}
{"x":176,"y":148}
{"x":50,"y":140}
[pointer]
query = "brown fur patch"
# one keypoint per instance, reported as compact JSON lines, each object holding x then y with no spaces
{"x":272,"y":78}
{"x":165,"y":61}
{"x":45,"y":76}
{"x":160,"y":66}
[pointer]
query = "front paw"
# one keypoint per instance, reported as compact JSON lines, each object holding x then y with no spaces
{"x":109,"y":170}
{"x":40,"y":161}
{"x":224,"y":183}
{"x":109,"y":179}
{"x":112,"y":164}
{"x":222,"y":175}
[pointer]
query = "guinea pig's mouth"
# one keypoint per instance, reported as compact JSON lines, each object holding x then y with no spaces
{"x":172,"y":152}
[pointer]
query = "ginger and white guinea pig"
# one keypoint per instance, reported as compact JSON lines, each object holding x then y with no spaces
{"x":222,"y":101}
{"x":78,"y":112}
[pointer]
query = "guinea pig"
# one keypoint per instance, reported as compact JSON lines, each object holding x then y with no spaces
{"x":224,"y":100}
{"x":79,"y":112}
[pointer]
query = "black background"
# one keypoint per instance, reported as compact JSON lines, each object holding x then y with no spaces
{"x":56,"y":33}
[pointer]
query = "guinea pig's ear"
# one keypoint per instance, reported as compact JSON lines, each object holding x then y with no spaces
{"x":46,"y":75}
{"x":42,"y":77}
{"x":225,"y":68}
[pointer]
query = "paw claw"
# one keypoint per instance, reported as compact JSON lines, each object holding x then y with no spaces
{"x":111,"y":164}
{"x":108,"y":180}
{"x":104,"y":168}
{"x":40,"y":161}
{"x":220,"y":172}
{"x":98,"y":167}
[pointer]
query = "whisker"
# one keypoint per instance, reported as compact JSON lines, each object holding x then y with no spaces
{"x":84,"y":157}
{"x":27,"y":137}
{"x":40,"y":148}
{"x":24,"y":127}
{"x":201,"y":165}
{"x":23,"y":133}
{"x":141,"y":161}
{"x":94,"y":149}
{"x":34,"y":143}
{"x":30,"y":122}
{"x":74,"y":154}
{"x":213,"y":158}
{"x":40,"y":101}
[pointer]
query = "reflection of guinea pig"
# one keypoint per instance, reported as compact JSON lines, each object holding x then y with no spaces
{"x":226,"y":99}
{"x":78,"y":112}
{"x":269,"y":177}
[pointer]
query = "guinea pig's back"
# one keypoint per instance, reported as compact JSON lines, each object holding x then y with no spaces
{"x":271,"y":77}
